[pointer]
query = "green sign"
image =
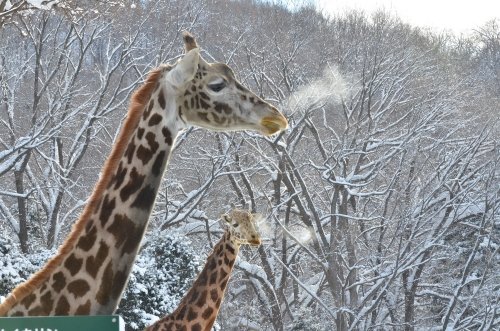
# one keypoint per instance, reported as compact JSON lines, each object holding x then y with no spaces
{"x":63,"y":323}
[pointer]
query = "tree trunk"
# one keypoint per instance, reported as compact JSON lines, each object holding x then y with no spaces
{"x":21,"y":208}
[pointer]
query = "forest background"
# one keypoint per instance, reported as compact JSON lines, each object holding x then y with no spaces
{"x":380,"y":202}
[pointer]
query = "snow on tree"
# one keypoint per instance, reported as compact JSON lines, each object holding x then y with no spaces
{"x":16,"y":267}
{"x":162,"y":273}
{"x":381,"y":201}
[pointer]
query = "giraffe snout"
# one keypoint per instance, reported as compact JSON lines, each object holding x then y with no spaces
{"x":255,"y":242}
{"x":274,"y":122}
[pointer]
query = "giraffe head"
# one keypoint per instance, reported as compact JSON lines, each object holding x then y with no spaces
{"x":242,"y":227}
{"x":208,"y":95}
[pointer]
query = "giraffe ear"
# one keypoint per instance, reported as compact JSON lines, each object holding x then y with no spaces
{"x":185,"y":69}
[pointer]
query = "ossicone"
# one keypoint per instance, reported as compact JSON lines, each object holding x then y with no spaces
{"x":189,"y":41}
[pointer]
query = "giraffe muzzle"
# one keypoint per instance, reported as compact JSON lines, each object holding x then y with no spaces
{"x":255,"y":242}
{"x":274,"y":124}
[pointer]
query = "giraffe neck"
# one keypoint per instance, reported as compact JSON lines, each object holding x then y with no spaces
{"x":200,"y":306}
{"x":91,"y":269}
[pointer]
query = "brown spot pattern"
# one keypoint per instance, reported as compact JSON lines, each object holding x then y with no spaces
{"x":213,"y":278}
{"x":140,"y":133}
{"x":145,"y":198}
{"x":161,"y":99}
{"x":47,"y":302}
{"x":167,"y":135}
{"x":78,"y":287}
{"x":203,"y":117}
{"x":129,"y":152}
{"x":230,"y":249}
{"x":36,"y":311}
{"x":196,"y":99}
{"x":202,"y":299}
{"x":120,"y":175}
{"x":59,"y":281}
{"x":83,"y":309}
{"x":191,"y":315}
{"x":28,"y":300}
{"x":207,"y":313}
{"x":211,"y":264}
{"x":217,"y":119}
{"x":107,"y":209}
{"x":194,"y":296}
{"x":93,"y":264}
{"x":203,"y":277}
{"x":146,"y":153}
{"x":181,"y":313}
{"x":62,"y":307}
{"x":220,"y":107}
{"x":118,"y":283}
{"x":223,"y":274}
{"x":158,"y":164}
{"x":133,"y":185}
{"x":203,"y":95}
{"x":204,"y":104}
{"x":214,"y":294}
{"x":121,"y":228}
{"x":87,"y":241}
{"x":155,"y":119}
{"x":148,"y":110}
{"x":73,"y":264}
{"x":102,"y":296}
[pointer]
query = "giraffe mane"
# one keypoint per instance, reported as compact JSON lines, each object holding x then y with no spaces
{"x":137,"y":105}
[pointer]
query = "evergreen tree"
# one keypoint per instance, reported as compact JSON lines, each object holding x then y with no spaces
{"x":161,"y":275}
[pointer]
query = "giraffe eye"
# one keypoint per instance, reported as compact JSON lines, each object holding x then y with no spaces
{"x":217,"y":87}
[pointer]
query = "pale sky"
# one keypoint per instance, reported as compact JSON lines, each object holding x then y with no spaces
{"x":459,"y":16}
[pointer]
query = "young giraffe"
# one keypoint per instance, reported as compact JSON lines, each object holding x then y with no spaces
{"x":198,"y":309}
{"x":91,"y":269}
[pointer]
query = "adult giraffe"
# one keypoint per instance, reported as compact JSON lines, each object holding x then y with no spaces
{"x":91,"y":269}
